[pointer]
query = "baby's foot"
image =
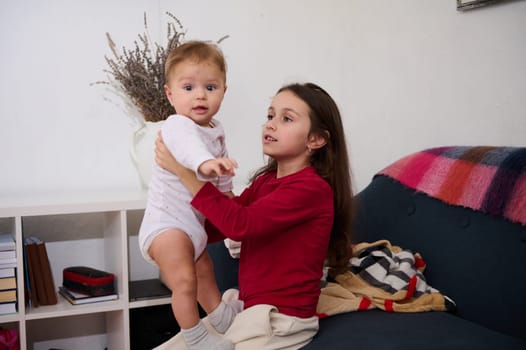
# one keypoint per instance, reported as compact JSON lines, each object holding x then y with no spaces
{"x":223,"y":315}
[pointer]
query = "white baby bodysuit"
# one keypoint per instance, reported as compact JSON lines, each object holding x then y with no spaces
{"x":168,"y":203}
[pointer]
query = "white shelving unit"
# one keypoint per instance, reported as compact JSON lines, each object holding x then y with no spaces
{"x":89,"y":229}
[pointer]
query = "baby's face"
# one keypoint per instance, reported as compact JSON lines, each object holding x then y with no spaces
{"x":196,"y":90}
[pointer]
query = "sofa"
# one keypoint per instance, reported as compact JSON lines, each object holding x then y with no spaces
{"x":475,"y":258}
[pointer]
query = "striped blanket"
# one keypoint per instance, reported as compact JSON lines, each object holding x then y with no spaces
{"x":385,"y":277}
{"x":491,"y":180}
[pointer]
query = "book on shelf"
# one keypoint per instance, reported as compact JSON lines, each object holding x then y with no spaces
{"x":7,"y":283}
{"x":8,"y":308}
{"x":7,"y":263}
{"x":7,"y":255}
{"x":7,"y":272}
{"x":7,"y":251}
{"x":76,"y":298}
{"x":29,"y":275}
{"x":45,"y":270}
{"x":148,"y":289}
{"x":8,"y":295}
{"x":32,"y":287}
{"x":41,"y":285}
{"x":7,"y":242}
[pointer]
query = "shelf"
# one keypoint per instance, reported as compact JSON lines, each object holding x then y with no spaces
{"x":64,"y":308}
{"x":71,"y":203}
{"x":8,"y":318}
{"x":93,"y":229}
{"x":150,"y":302}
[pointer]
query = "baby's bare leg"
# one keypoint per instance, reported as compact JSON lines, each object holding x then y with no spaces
{"x":173,"y":252}
{"x":220,"y":314}
{"x":208,"y":294}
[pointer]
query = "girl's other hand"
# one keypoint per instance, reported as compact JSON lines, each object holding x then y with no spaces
{"x":166,"y":160}
{"x":164,"y":157}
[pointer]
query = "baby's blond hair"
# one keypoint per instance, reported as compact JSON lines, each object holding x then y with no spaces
{"x":196,"y":51}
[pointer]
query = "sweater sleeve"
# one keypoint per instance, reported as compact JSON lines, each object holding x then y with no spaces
{"x":214,"y":234}
{"x":287,"y":205}
{"x":180,"y":134}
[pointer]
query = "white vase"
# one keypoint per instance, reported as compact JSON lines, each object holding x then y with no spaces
{"x":142,"y":149}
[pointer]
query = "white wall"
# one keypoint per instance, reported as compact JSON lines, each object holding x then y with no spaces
{"x":407,"y":75}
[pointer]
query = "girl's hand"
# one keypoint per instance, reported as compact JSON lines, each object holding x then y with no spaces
{"x":164,"y":157}
{"x":166,"y":160}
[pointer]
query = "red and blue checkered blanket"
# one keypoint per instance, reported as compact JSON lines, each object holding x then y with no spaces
{"x":491,"y":180}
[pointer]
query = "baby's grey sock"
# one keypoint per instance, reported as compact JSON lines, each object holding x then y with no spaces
{"x":198,"y":338}
{"x":223,"y":315}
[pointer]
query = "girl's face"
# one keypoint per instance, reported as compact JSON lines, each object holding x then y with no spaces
{"x":286,"y":132}
{"x":196,"y":90}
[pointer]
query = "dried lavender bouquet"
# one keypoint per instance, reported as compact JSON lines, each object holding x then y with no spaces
{"x":137,"y":75}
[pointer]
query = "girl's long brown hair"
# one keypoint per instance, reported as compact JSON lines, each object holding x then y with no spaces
{"x":332,"y":163}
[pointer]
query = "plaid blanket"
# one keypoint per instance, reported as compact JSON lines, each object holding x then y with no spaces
{"x":382,"y":276}
{"x":491,"y":180}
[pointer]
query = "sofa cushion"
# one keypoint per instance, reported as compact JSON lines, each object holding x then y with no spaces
{"x":475,"y":259}
{"x":376,"y":329}
{"x":225,"y":267}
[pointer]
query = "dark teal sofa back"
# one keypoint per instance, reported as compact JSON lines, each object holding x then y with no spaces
{"x":477,"y":260}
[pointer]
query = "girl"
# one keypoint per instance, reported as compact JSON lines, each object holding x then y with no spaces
{"x":294,"y":216}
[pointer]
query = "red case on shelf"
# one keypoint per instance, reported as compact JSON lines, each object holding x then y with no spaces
{"x":87,"y":280}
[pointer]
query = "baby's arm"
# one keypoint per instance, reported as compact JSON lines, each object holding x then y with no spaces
{"x":218,"y":167}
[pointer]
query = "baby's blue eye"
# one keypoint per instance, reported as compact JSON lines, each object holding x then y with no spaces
{"x":269,"y":117}
{"x":187,"y":87}
{"x":210,"y":87}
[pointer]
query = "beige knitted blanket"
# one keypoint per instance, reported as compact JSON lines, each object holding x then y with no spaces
{"x":382,"y":276}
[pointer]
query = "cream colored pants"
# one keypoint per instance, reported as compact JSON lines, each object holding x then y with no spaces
{"x":259,"y":327}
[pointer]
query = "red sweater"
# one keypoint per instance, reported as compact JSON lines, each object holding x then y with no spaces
{"x":284,"y":225}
